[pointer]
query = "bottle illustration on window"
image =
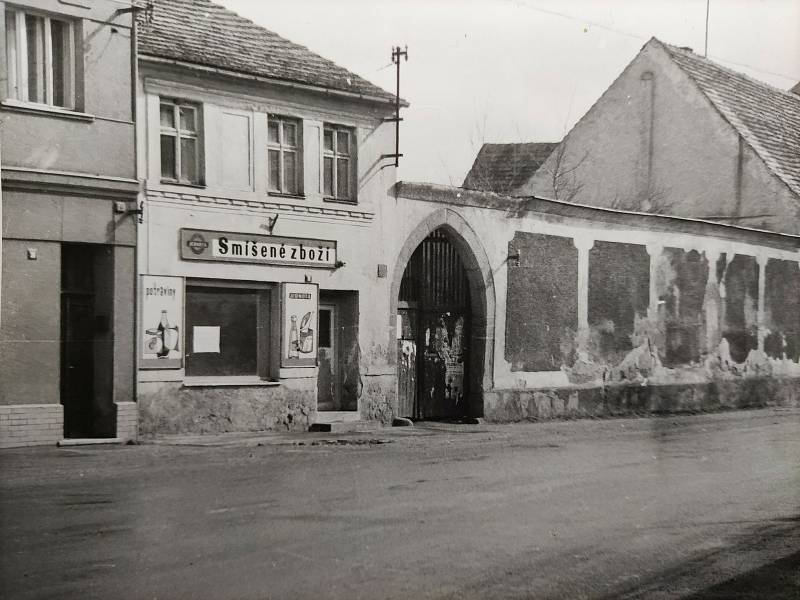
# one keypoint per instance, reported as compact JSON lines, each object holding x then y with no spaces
{"x":300,"y":341}
{"x":163,"y":338}
{"x":294,"y":340}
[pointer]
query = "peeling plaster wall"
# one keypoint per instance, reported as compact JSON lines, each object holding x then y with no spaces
{"x":782,"y":310}
{"x":684,"y":307}
{"x":541,"y":308}
{"x":740,"y":322}
{"x":681,"y":283}
{"x":618,"y":294}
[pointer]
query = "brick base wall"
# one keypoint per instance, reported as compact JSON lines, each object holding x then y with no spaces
{"x":31,"y":425}
{"x":127,"y":421}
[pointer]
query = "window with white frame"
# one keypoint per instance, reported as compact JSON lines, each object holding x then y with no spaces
{"x":339,"y":159}
{"x":40,"y":58}
{"x":180,"y":142}
{"x":284,"y":152}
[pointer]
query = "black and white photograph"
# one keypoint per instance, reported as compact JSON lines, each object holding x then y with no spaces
{"x":400,"y":299}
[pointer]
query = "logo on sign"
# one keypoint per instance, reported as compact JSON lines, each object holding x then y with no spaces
{"x":197,"y":243}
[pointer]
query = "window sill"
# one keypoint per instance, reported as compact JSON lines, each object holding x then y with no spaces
{"x":184,"y":184}
{"x":340,"y":201}
{"x":232,"y":381}
{"x":45,"y":110}
{"x":290,"y":196}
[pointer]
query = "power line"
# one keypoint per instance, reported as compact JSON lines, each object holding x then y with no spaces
{"x":569,"y":17}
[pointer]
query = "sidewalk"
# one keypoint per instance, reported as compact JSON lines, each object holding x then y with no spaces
{"x":383,"y":434}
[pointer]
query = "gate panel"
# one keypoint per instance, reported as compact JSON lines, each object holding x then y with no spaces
{"x":434,"y":302}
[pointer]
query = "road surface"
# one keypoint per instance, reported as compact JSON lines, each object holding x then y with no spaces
{"x":693,"y":507}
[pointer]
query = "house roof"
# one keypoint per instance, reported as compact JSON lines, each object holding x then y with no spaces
{"x":208,"y":34}
{"x":767,"y":118}
{"x":502,"y":168}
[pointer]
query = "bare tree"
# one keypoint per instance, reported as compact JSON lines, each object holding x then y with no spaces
{"x":562,"y":175}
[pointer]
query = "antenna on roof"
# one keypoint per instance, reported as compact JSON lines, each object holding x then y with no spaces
{"x":397,"y":54}
{"x":705,"y":50}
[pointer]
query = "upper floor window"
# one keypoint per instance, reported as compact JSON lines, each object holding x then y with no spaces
{"x":338,"y":156}
{"x":40,"y":54}
{"x":284,"y":152}
{"x":180,"y":139}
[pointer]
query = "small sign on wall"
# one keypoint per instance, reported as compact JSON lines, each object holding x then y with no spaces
{"x":161,"y":323}
{"x":299,"y":315}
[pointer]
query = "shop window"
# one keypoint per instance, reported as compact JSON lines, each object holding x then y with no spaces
{"x":227,"y":331}
{"x":339,"y":160}
{"x":180,"y":142}
{"x":40,"y":55}
{"x":284,"y":152}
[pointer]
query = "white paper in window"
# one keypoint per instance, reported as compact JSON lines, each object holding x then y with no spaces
{"x":206,"y":339}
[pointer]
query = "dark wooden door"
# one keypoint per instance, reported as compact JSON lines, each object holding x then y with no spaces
{"x":77,"y":364}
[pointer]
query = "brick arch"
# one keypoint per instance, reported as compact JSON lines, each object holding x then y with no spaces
{"x":482,"y":294}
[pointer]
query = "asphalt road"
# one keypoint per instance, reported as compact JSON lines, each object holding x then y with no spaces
{"x":679,"y":507}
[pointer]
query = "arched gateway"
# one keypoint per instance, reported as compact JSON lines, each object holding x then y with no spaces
{"x":443,"y":315}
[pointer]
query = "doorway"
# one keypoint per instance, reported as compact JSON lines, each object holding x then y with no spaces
{"x":87,"y":341}
{"x":434,"y":331}
{"x":337,"y":351}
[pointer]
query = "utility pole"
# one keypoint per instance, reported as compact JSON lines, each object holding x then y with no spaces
{"x":397,"y":54}
{"x":705,"y":51}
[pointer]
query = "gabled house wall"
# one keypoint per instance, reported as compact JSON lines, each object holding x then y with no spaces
{"x":654,"y":142}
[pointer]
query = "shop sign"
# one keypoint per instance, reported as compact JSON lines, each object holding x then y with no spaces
{"x":161,"y":322}
{"x":300,"y":308}
{"x":223,"y":246}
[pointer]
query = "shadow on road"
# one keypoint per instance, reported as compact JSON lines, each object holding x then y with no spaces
{"x":778,"y":580}
{"x":703,"y":577}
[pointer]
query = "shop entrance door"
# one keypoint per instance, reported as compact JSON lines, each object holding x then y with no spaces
{"x":434,"y":321}
{"x":328,"y":379}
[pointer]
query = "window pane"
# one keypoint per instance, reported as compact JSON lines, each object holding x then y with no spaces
{"x":167,"y":115}
{"x":324,"y":327}
{"x":290,"y":134}
{"x":342,"y":142}
{"x":328,"y":177}
{"x":11,"y":53}
{"x":59,"y":36}
{"x":290,"y":172}
{"x":272,"y":132}
{"x":342,"y":178}
{"x":168,"y":156}
{"x":235,"y":312}
{"x":188,"y":119}
{"x":328,"y":141}
{"x":274,"y":170}
{"x":34,"y":29}
{"x":189,"y":160}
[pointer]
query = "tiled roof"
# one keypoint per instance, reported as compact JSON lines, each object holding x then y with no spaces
{"x":208,"y":34}
{"x":767,"y":118}
{"x":502,"y":168}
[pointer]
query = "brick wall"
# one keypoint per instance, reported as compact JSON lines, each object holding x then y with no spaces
{"x":31,"y":425}
{"x":127,"y":420}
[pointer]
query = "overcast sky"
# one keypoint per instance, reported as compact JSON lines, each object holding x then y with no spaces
{"x":519,"y":70}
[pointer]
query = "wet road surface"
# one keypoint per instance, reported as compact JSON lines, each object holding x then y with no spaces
{"x":678,"y":507}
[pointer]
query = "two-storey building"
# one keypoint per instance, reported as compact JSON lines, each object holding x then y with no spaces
{"x":259,"y":248}
{"x":69,"y":229}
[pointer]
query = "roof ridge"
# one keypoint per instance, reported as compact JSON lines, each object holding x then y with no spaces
{"x":692,"y":54}
{"x":205,"y":32}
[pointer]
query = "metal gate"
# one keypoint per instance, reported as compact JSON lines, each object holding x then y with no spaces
{"x":434,"y":314}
